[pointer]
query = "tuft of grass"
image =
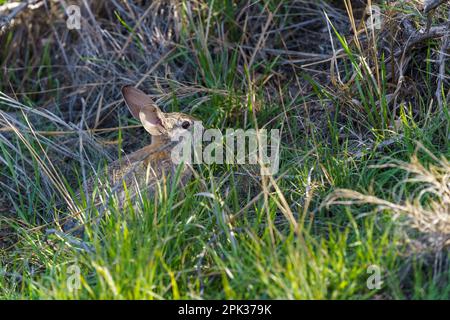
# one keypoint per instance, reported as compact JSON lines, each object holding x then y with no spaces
{"x":426,"y":207}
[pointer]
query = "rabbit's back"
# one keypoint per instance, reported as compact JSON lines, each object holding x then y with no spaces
{"x":139,"y":173}
{"x":142,"y":171}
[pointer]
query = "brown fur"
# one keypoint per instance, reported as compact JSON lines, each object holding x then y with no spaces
{"x":143,"y":169}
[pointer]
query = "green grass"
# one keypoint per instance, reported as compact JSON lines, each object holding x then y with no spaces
{"x":224,"y":236}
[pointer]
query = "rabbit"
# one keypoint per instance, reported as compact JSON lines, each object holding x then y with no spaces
{"x":143,"y":169}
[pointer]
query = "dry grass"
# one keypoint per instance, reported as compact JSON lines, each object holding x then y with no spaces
{"x":425,"y":203}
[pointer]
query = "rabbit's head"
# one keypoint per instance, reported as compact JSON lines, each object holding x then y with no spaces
{"x":156,"y":122}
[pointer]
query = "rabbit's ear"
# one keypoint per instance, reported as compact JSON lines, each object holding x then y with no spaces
{"x":144,"y":109}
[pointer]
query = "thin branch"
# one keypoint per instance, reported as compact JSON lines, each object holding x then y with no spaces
{"x":432,"y":4}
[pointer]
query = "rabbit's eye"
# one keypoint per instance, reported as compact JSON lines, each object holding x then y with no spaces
{"x":185,"y":125}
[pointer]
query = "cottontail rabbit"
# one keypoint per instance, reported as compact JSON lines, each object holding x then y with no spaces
{"x":143,"y":169}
